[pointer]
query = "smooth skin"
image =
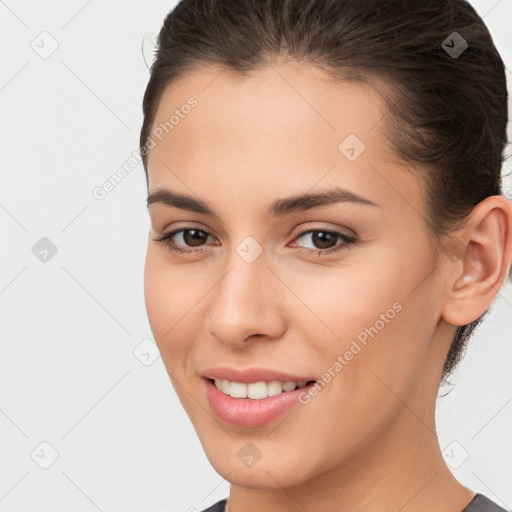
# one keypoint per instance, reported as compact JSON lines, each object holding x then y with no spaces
{"x":367,"y":441}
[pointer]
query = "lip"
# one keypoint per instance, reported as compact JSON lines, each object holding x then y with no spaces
{"x":249,"y":413}
{"x":254,"y":374}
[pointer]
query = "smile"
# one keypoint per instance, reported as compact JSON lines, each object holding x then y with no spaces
{"x":256,"y":390}
{"x":255,"y":403}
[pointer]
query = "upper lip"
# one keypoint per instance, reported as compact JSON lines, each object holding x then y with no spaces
{"x":254,"y":374}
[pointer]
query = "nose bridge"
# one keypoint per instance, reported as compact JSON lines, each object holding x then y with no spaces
{"x":246,"y":263}
{"x":245,"y":301}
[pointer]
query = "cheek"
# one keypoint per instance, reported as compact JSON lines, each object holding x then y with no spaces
{"x":170,"y":298}
{"x":346,"y":303}
{"x":385,"y":341}
{"x":177,"y":306}
{"x":372,"y":320}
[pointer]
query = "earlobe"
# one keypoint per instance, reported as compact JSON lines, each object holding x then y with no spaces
{"x":480,"y":271}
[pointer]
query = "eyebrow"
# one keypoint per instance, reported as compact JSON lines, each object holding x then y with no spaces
{"x":279,"y":208}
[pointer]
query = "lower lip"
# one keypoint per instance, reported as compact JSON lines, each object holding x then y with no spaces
{"x":247,"y":412}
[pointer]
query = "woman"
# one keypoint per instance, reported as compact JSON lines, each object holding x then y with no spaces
{"x":327,"y":230}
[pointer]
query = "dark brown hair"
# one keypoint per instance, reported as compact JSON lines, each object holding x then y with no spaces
{"x":447,"y":112}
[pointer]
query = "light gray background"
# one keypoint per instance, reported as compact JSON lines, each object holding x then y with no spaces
{"x":72,"y":371}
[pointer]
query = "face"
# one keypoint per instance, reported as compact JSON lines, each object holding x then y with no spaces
{"x":341,"y":293}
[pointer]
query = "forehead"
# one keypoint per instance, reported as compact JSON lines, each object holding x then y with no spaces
{"x":276,"y":100}
{"x":284,"y":123}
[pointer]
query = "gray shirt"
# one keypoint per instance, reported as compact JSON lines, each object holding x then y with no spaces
{"x":479,"y":503}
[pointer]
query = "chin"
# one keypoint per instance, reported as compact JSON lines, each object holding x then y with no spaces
{"x":261,"y":476}
{"x":271,"y":471}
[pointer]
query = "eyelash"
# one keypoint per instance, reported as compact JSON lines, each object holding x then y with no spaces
{"x":348,"y":241}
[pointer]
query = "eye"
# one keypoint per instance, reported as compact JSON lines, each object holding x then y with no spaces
{"x":195,"y":237}
{"x":326,"y":237}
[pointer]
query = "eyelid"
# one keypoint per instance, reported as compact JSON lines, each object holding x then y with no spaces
{"x":347,"y":240}
{"x":302,"y":230}
{"x":306,"y":228}
{"x":177,"y":228}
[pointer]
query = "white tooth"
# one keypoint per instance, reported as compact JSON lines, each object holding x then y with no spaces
{"x":289,"y":386}
{"x":238,"y":390}
{"x":225,"y":386}
{"x":257,"y":390}
{"x":274,"y":388}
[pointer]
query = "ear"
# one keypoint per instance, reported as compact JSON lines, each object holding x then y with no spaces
{"x":478,"y":260}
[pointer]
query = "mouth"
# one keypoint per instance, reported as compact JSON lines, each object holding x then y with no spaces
{"x":257,"y":390}
{"x":254,"y":404}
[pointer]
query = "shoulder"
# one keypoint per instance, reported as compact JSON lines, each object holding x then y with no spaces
{"x":481,"y":503}
{"x":218,"y":507}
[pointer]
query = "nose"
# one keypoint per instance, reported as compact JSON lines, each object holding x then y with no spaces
{"x":247,"y":303}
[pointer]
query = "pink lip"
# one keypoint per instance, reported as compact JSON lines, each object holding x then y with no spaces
{"x":252,"y":375}
{"x":249,"y":413}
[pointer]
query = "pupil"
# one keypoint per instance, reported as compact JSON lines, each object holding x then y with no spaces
{"x":197,"y":236}
{"x":322,"y":236}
